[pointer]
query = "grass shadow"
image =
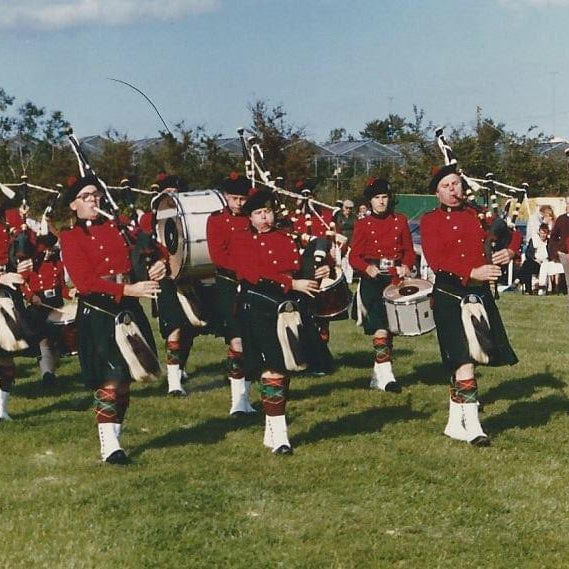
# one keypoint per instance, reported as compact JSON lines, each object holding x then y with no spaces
{"x":527,"y":414}
{"x":433,"y":373}
{"x":205,"y":433}
{"x":322,"y":389}
{"x":364,"y":358}
{"x":522,"y":388}
{"x":64,"y":384}
{"x":370,"y":421}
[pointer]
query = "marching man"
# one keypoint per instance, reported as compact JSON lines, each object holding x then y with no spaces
{"x":469,"y":327}
{"x":222,"y":227}
{"x":96,"y":257}
{"x":382,"y":252}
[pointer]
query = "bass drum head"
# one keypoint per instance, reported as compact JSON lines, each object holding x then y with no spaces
{"x":171,"y":231}
{"x":407,"y":291}
{"x":181,"y":221}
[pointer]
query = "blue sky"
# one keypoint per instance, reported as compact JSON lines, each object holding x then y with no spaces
{"x":329,"y":63}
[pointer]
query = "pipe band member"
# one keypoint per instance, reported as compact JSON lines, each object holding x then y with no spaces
{"x":97,"y":259}
{"x":267,"y":260}
{"x":222,"y":227}
{"x":382,"y":252}
{"x":15,"y":334}
{"x":174,"y":322}
{"x":469,"y":327}
{"x":45,"y":287}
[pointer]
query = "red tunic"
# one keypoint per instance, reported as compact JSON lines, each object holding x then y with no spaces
{"x":270,"y":256}
{"x":381,"y":238}
{"x":4,"y":245}
{"x":221,"y":229}
{"x":453,"y":241}
{"x":48,"y":276}
{"x":93,"y":251}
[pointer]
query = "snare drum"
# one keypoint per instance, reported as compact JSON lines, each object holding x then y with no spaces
{"x":65,"y":328}
{"x":181,"y":221}
{"x":408,"y":307}
{"x":334,"y":298}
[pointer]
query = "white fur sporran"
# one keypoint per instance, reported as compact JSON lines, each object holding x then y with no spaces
{"x":11,"y":329}
{"x":289,"y":325}
{"x":138,"y":355}
{"x":476,"y":327}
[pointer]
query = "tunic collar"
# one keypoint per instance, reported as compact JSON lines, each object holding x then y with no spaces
{"x":449,"y":209}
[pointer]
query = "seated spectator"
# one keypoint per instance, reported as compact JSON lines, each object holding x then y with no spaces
{"x":536,"y":255}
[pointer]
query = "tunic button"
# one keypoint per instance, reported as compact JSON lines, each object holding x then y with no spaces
{"x":448,"y":216}
{"x":296,"y":262}
{"x":270,"y":252}
{"x":112,"y":272}
{"x":254,"y":237}
{"x":459,"y":241}
{"x":373,"y":232}
{"x":101,"y":247}
{"x":262,"y":243}
{"x":106,"y":259}
{"x":455,"y":227}
{"x":375,"y":241}
{"x":462,"y":254}
{"x":274,"y":262}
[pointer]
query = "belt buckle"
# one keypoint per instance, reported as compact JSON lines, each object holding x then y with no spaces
{"x":49,"y":293}
{"x":385,"y":264}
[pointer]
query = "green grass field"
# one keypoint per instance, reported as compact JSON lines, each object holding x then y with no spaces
{"x":372,"y":483}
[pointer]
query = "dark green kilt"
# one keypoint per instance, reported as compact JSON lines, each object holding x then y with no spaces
{"x":258,"y":320}
{"x":27,"y":328}
{"x":225,"y":308}
{"x":171,"y":315}
{"x":371,"y":293}
{"x":99,"y":354}
{"x":450,"y":330}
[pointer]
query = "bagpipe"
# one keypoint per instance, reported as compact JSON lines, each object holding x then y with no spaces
{"x":334,"y":297}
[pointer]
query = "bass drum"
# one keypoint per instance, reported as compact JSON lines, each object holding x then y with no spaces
{"x":64,"y":329}
{"x":181,"y":221}
{"x":408,"y":307}
{"x":334,"y":298}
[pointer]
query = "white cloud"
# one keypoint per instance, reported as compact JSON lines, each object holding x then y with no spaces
{"x":70,"y":13}
{"x":538,"y":3}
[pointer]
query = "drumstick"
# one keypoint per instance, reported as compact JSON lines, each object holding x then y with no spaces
{"x":51,"y":307}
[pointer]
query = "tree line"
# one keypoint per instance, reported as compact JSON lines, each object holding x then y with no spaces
{"x":33,"y":143}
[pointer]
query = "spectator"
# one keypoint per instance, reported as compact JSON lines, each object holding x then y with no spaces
{"x":363,"y":211}
{"x":536,"y":255}
{"x":559,"y":234}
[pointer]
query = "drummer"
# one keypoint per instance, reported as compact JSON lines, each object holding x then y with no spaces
{"x":382,"y":252}
{"x":221,"y":230}
{"x":267,"y":260}
{"x":96,"y":257}
{"x":464,"y":308}
{"x":175,"y":327}
{"x":45,"y":289}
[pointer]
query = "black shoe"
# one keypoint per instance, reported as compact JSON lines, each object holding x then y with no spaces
{"x":117,"y":457}
{"x":177,"y":393}
{"x":283,"y":449}
{"x":48,"y":379}
{"x":393,"y":387}
{"x":481,"y":441}
{"x":318,"y":372}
